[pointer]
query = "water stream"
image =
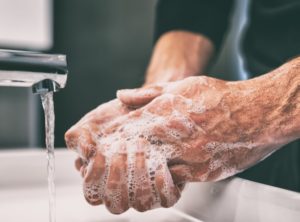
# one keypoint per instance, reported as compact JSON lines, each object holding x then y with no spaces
{"x":47,"y":101}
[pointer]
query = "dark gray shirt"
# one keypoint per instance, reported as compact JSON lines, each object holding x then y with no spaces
{"x":272,"y":38}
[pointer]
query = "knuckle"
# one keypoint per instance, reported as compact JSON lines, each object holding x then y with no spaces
{"x":202,"y":80}
{"x":68,"y":135}
{"x":70,"y":139}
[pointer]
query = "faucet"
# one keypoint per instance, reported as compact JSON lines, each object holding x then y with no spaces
{"x":43,"y":72}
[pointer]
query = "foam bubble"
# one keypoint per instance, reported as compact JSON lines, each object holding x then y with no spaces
{"x":138,"y":135}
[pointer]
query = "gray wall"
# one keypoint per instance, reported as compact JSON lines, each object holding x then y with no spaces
{"x":108,"y":43}
{"x":17,"y":119}
{"x":24,"y":25}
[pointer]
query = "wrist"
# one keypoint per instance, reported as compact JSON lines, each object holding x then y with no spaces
{"x":177,"y":55}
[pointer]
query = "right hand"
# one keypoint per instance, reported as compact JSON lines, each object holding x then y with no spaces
{"x":78,"y":137}
{"x":115,"y":170}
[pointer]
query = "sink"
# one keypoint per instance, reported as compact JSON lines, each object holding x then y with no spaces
{"x":24,"y":196}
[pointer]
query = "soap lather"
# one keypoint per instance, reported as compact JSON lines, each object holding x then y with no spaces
{"x":43,"y":72}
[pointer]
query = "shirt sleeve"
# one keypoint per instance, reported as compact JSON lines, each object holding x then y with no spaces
{"x":207,"y":17}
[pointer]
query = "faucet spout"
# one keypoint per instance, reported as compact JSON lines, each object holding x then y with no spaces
{"x":43,"y":72}
{"x":46,"y":85}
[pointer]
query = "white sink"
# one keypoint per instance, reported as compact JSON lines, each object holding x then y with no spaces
{"x":24,"y":196}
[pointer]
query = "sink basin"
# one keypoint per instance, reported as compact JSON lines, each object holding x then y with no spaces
{"x":24,"y":196}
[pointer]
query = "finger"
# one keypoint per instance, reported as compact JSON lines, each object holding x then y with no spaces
{"x":93,"y":201}
{"x":83,"y":171}
{"x":180,"y":174}
{"x":116,"y":194}
{"x":139,"y":97}
{"x":106,"y":112}
{"x":216,"y":174}
{"x":81,"y":140}
{"x":71,"y":138}
{"x":94,"y":180}
{"x":78,"y":163}
{"x":168,"y":192}
{"x":86,"y":145}
{"x":141,"y":194}
{"x":181,"y":186}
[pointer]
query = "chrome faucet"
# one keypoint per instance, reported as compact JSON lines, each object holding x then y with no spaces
{"x":43,"y":72}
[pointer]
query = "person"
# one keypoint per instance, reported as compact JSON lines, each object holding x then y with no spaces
{"x":139,"y":149}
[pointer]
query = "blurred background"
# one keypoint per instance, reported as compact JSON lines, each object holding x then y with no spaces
{"x":108,"y":44}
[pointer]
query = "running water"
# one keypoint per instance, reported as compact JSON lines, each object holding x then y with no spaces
{"x":47,"y":101}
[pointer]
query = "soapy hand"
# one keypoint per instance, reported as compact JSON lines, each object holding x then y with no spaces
{"x":196,"y":129}
{"x":115,"y":170}
{"x":207,"y":129}
{"x":93,"y":121}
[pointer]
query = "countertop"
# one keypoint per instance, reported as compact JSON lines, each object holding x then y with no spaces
{"x":24,"y":196}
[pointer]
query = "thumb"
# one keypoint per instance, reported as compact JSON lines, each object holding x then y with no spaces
{"x":140,"y":96}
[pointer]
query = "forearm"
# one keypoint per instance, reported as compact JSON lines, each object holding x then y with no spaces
{"x":223,"y":127}
{"x":253,"y":118}
{"x":286,"y":80}
{"x":271,"y":105}
{"x":178,"y":54}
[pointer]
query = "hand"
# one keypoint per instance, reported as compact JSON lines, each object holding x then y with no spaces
{"x":202,"y":128}
{"x":193,"y":127}
{"x":114,"y":170}
{"x":212,"y":129}
{"x":79,"y":137}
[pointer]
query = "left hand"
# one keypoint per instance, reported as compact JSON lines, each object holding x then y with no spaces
{"x":212,"y":129}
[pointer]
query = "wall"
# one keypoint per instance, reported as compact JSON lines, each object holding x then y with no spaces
{"x":23,"y":25}
{"x":108,"y":43}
